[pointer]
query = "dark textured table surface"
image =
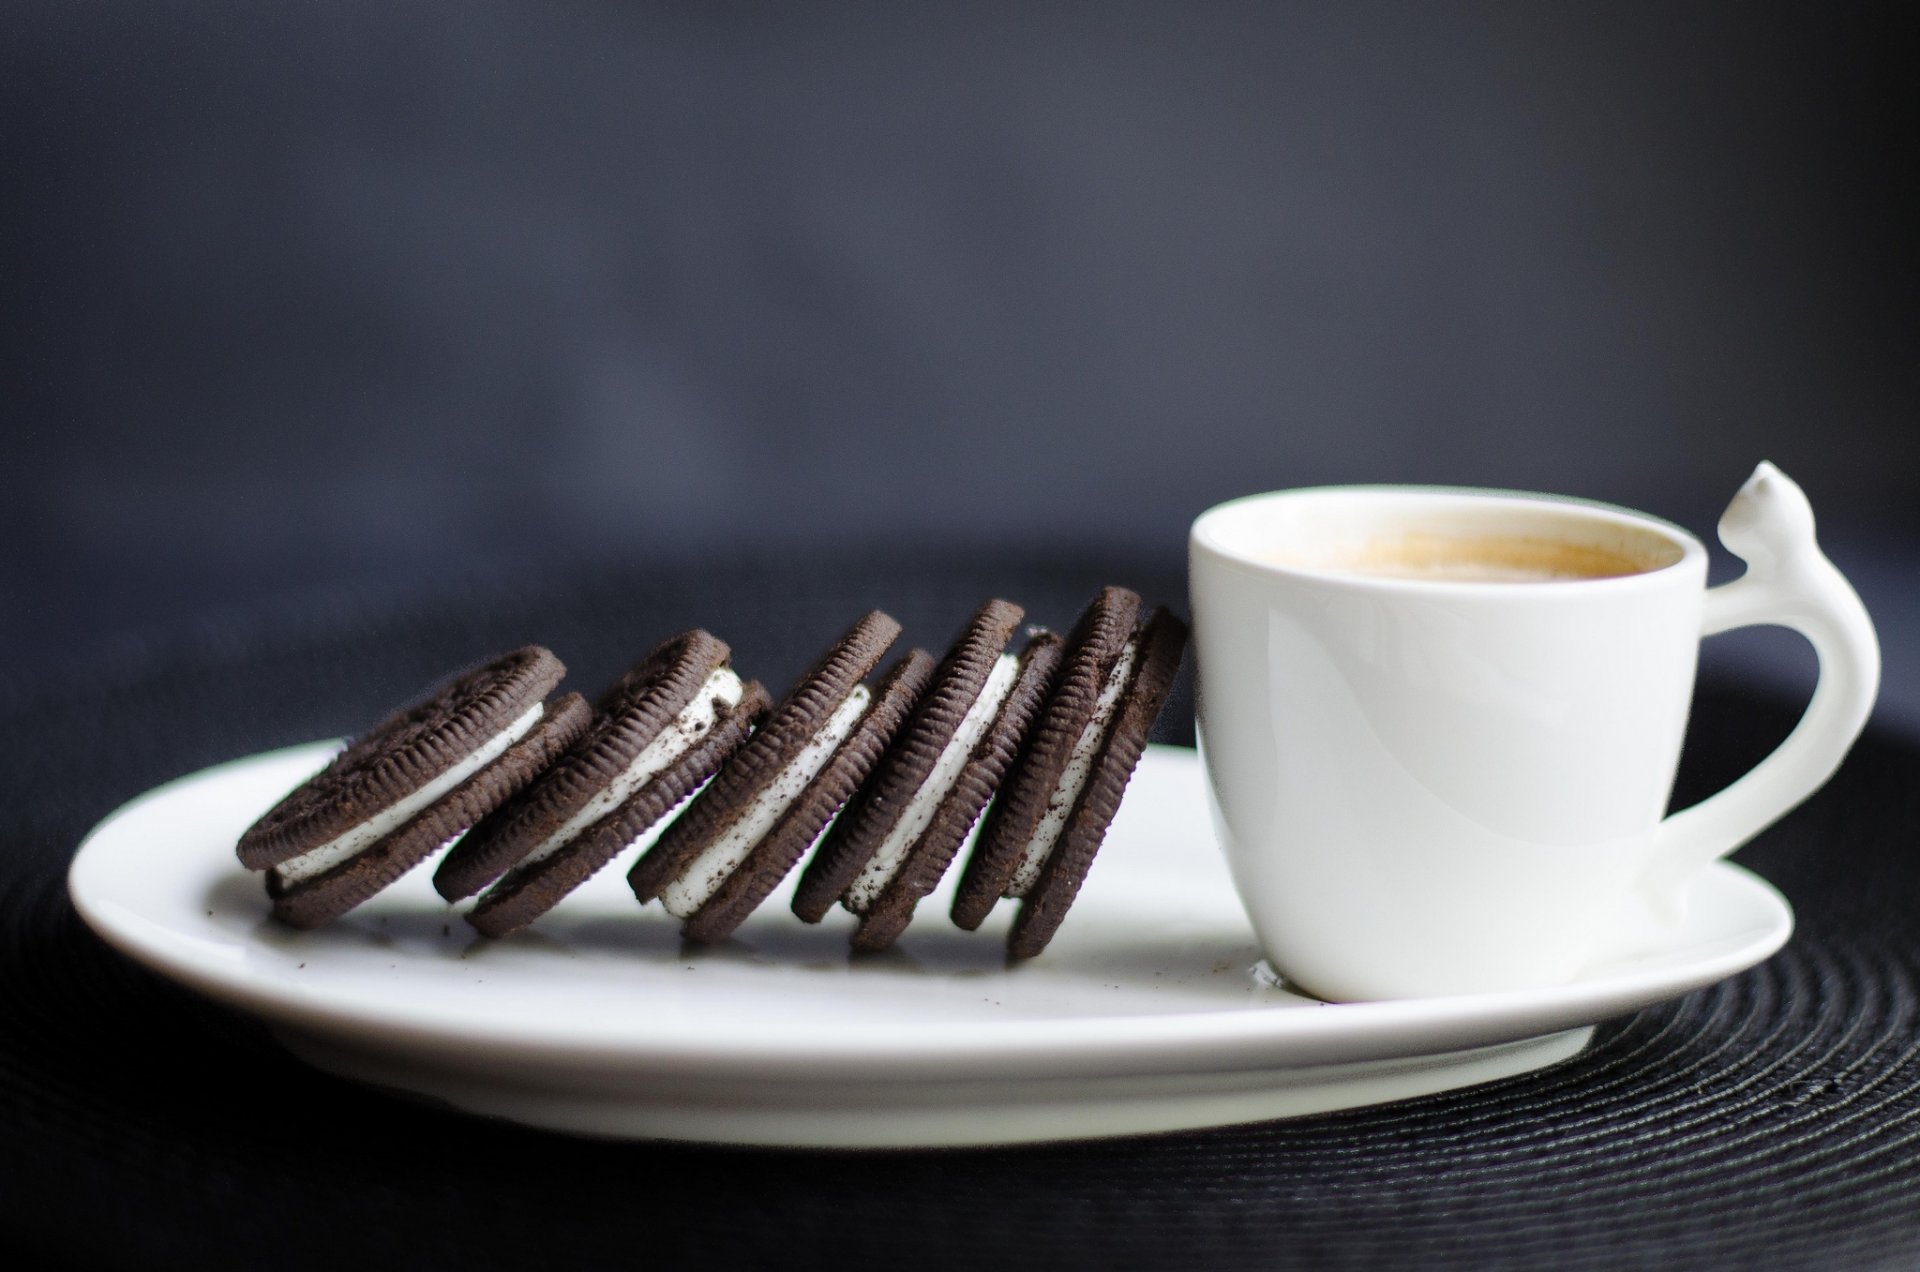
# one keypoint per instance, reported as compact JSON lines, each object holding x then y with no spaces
{"x":1771,"y":1120}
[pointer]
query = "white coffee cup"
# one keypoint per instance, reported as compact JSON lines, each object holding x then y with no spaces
{"x":1441,"y":726}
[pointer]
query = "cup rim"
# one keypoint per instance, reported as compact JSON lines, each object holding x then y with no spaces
{"x":1203,"y":537}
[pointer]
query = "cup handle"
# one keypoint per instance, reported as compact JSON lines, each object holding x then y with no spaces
{"x":1788,"y":582}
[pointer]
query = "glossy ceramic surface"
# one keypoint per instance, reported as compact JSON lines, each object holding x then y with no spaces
{"x":1432,"y":787}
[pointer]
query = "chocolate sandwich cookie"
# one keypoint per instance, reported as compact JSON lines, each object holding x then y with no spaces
{"x":1044,"y":830}
{"x":1094,"y":649}
{"x":896,"y":839}
{"x":418,"y":778}
{"x":660,"y":731}
{"x":786,"y":752}
{"x":741,"y":835}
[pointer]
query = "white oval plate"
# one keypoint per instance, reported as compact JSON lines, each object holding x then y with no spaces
{"x":1150,"y":1011}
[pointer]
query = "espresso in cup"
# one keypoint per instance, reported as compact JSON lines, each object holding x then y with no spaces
{"x":1418,"y":555}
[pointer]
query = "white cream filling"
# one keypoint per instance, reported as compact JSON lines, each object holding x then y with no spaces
{"x":885,"y":862}
{"x":317,"y":861}
{"x":1073,"y":778}
{"x":704,"y":875}
{"x":694,"y":722}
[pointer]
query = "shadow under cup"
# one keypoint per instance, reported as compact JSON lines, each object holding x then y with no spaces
{"x":1439,"y":726}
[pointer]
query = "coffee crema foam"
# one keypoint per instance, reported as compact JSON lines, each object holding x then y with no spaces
{"x":1465,"y":559}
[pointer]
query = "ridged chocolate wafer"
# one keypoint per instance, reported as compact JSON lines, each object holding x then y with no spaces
{"x":661,"y":730}
{"x":932,"y":851}
{"x":526,"y":893}
{"x":327,"y":896}
{"x":904,"y":768}
{"x":782,"y":847}
{"x":629,"y":715}
{"x":402,"y":755}
{"x":1045,"y":903}
{"x":814,"y":704}
{"x":1093,"y":647}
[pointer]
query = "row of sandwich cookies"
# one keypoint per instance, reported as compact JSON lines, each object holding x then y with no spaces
{"x":540,"y":794}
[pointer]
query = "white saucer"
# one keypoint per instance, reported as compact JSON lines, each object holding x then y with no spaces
{"x":1150,"y":1011}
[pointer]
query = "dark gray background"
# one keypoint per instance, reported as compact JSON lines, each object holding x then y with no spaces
{"x":355,"y":294}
